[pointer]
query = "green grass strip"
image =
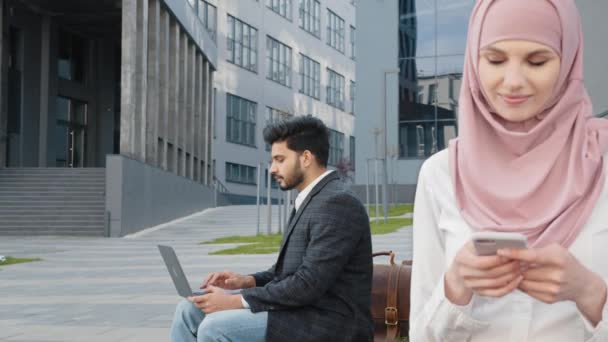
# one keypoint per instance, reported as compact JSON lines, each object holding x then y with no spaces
{"x":273,"y":238}
{"x":259,"y":244}
{"x":255,"y":248}
{"x":398,"y":210}
{"x":267,"y":244}
{"x":11,"y":261}
{"x":390,"y":227}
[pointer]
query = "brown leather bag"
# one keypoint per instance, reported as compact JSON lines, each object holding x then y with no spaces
{"x":391,"y":298}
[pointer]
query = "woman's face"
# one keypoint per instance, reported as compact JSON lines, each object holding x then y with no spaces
{"x":518,"y":77}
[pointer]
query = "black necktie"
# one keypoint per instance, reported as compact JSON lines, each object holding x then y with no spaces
{"x":293,"y":213}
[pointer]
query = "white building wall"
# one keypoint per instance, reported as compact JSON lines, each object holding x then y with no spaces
{"x":255,"y":87}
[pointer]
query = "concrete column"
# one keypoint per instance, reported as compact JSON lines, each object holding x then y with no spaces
{"x":153,"y":96}
{"x":174,"y":92}
{"x":45,"y":60}
{"x":164,"y":88}
{"x":128,"y":70}
{"x":133,"y":78}
{"x":191,"y":107}
{"x":142,"y":79}
{"x":204,"y":124}
{"x":211,"y":122}
{"x":183,"y":85}
{"x":198,"y":116}
{"x":3,"y":88}
{"x":188,"y":109}
{"x":208,"y":136}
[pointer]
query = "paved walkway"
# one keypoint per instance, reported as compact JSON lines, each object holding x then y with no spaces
{"x":99,"y":289}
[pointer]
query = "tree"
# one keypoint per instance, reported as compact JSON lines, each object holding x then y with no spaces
{"x":345,"y":169}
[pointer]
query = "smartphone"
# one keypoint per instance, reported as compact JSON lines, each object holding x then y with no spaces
{"x":487,"y":243}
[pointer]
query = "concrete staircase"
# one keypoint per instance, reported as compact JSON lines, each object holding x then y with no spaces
{"x":52,"y":201}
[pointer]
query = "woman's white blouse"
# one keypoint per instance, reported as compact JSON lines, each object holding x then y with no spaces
{"x":440,"y":232}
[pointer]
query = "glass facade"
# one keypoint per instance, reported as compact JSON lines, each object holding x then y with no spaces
{"x":279,"y":62}
{"x":280,"y":7}
{"x":310,"y":77}
{"x":208,"y":15}
{"x":240,"y":120}
{"x":242,"y":44}
{"x":335,"y":31}
{"x":310,"y":17}
{"x":335,"y":89}
{"x":72,"y":59}
{"x":432,"y":39}
{"x":70,"y":130}
{"x":243,"y":174}
{"x":336,"y":147}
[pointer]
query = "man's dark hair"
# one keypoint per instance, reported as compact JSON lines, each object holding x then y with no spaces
{"x":301,"y":133}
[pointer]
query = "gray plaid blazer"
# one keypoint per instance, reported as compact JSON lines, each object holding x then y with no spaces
{"x":320,"y":287}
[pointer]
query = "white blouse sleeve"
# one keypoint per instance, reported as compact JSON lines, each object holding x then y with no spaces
{"x":599,"y":333}
{"x":432,"y":316}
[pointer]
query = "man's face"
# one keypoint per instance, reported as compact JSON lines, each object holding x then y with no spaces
{"x":286,"y":167}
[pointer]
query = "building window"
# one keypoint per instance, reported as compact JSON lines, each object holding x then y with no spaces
{"x":240,"y":120}
{"x":352,"y":42}
{"x":336,"y":147}
{"x":432,"y":94}
{"x":71,"y":132}
{"x":274,"y":115}
{"x":279,"y":62}
{"x":280,"y":7}
{"x":208,"y":15}
{"x":310,"y":77}
{"x":237,"y":173}
{"x":242,"y":44}
{"x":352,"y":97}
{"x":273,"y":181}
{"x":335,"y":31}
{"x":72,"y":61}
{"x":310,"y":17}
{"x":335,"y":89}
{"x":351,"y":151}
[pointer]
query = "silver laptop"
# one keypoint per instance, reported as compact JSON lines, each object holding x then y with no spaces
{"x":179,"y":277}
{"x":177,"y":273}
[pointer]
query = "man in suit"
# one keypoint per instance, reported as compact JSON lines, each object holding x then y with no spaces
{"x":319,"y":289}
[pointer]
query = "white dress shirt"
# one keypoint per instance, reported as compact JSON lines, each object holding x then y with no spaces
{"x":304,"y":193}
{"x":440,"y":232}
{"x":298,"y":202}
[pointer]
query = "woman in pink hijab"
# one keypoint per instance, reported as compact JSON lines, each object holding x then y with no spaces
{"x":529,"y":159}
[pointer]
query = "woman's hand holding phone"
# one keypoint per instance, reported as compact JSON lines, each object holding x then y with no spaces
{"x":485,"y":275}
{"x":555,"y":275}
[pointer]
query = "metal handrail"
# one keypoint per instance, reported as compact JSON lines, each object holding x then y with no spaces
{"x":220,"y":186}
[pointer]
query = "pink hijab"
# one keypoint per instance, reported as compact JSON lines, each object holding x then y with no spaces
{"x":541,"y":177}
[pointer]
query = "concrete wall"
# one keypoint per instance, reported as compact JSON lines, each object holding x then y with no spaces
{"x":139,"y":196}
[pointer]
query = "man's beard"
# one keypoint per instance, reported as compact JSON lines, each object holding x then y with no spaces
{"x":296,"y":179}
